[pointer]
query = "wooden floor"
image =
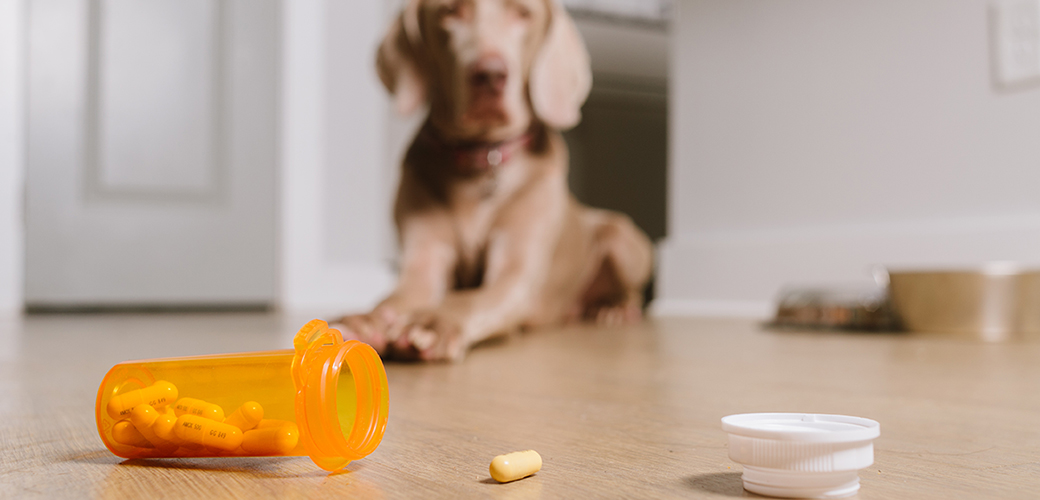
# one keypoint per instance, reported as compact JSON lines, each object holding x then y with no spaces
{"x":616,"y":413}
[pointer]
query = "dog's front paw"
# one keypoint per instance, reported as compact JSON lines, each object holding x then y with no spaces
{"x":433,"y":335}
{"x":372,"y":328}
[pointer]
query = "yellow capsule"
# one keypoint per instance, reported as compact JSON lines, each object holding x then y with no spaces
{"x":164,"y":426}
{"x":157,"y":395}
{"x":246,"y":416}
{"x":123,"y":432}
{"x":143,"y":417}
{"x":206,"y":432}
{"x":270,"y":422}
{"x":271,"y":440}
{"x":198,"y":407}
{"x":516,"y":465}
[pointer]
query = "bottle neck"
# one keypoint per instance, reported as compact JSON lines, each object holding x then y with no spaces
{"x":342,"y":398}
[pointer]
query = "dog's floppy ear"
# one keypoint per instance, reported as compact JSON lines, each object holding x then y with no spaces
{"x":561,"y":76}
{"x":398,"y":63}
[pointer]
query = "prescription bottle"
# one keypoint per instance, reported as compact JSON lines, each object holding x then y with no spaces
{"x":325,"y":398}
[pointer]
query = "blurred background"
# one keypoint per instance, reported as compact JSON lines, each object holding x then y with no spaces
{"x":241,"y":154}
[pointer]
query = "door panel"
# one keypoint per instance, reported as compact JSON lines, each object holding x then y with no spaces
{"x":156,"y":111}
{"x":152,"y":152}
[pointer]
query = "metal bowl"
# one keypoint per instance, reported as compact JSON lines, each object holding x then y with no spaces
{"x":998,"y":302}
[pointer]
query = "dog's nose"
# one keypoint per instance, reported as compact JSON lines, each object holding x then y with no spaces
{"x":489,"y":73}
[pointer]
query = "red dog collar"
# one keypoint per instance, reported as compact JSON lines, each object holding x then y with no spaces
{"x":472,"y":158}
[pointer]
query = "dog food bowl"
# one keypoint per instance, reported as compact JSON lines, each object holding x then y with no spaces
{"x":996,"y":302}
{"x":801,"y":455}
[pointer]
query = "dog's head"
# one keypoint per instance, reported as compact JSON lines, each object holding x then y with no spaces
{"x":486,"y":67}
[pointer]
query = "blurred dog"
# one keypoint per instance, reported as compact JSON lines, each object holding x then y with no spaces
{"x":492,"y":240}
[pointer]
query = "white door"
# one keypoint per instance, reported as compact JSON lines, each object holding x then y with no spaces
{"x":152,"y":152}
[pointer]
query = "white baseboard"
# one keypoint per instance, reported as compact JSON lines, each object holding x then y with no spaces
{"x":740,"y":271}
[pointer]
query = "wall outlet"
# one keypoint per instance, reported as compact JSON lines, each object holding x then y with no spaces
{"x":1016,"y":41}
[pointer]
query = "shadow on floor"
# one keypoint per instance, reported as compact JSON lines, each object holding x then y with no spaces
{"x":270,"y":467}
{"x":720,"y":483}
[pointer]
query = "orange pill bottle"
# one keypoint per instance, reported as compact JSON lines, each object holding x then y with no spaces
{"x":325,"y":398}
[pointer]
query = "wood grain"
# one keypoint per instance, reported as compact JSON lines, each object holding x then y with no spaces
{"x":615,"y":412}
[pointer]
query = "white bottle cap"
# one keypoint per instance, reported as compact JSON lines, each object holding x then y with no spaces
{"x":801,"y":455}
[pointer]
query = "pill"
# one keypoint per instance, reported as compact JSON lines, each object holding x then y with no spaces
{"x":271,"y":440}
{"x":516,"y":465}
{"x":246,"y":416}
{"x":270,"y":422}
{"x":123,"y":432}
{"x":164,"y":427}
{"x":158,"y":395}
{"x":143,"y":417}
{"x":198,"y":407}
{"x":206,"y":432}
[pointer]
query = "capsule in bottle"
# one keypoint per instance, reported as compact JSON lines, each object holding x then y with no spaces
{"x":246,"y":416}
{"x":157,"y":395}
{"x":269,"y":422}
{"x":274,"y":439}
{"x":164,"y":428}
{"x":123,"y":432}
{"x":199,"y":408}
{"x":516,"y":465}
{"x":208,"y":433}
{"x":143,"y":417}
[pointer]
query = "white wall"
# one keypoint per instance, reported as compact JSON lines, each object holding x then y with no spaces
{"x":334,"y":187}
{"x":813,"y":138}
{"x":12,"y":152}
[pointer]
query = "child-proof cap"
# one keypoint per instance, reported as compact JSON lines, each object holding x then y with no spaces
{"x":801,"y":455}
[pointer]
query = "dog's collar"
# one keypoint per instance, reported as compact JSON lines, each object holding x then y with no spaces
{"x":476,"y":157}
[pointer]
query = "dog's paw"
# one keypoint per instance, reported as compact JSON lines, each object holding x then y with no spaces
{"x":432,"y":335}
{"x":617,"y":315}
{"x":372,"y":328}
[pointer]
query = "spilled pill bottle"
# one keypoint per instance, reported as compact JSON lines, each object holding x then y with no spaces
{"x":326,"y":398}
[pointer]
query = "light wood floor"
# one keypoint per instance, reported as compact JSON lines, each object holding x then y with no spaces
{"x":616,"y":413}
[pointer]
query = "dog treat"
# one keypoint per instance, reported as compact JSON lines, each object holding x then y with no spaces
{"x":209,"y":433}
{"x":516,"y":465}
{"x":278,"y":437}
{"x":199,"y":408}
{"x":157,"y":395}
{"x":125,"y":433}
{"x":246,"y":416}
{"x":143,"y":417}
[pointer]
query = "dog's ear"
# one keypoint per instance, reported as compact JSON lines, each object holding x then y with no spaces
{"x":561,"y":76}
{"x":398,"y":63}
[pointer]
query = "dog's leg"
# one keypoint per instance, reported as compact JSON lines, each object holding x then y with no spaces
{"x":519,"y":254}
{"x":428,"y":260}
{"x":625,"y":256}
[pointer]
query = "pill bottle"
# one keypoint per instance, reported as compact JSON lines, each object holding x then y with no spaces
{"x":326,"y":398}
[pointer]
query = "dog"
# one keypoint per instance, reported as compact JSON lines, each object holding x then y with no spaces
{"x":492,"y":241}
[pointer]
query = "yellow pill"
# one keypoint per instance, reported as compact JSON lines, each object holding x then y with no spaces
{"x":198,"y":407}
{"x":246,"y":416}
{"x":271,"y":440}
{"x":164,"y":427}
{"x":206,"y":432}
{"x":143,"y":417}
{"x":270,"y":422}
{"x":516,"y":465}
{"x":158,"y":395}
{"x":123,"y":432}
